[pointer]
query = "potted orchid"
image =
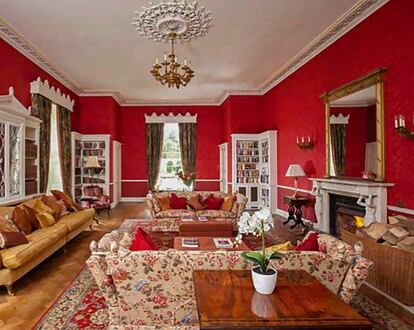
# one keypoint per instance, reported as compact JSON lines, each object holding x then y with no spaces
{"x":264,"y":277}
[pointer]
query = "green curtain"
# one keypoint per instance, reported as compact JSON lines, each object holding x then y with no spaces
{"x":42,"y":108}
{"x":338,"y":141}
{"x":155,"y":135}
{"x":187,"y":133}
{"x":64,"y":128}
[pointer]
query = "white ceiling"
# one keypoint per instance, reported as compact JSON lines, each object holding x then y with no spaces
{"x":94,"y":44}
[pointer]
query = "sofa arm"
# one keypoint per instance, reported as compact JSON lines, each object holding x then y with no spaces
{"x":241,"y":201}
{"x":357,"y":273}
{"x":150,"y":203}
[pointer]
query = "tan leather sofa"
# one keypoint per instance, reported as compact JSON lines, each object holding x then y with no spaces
{"x":18,"y":260}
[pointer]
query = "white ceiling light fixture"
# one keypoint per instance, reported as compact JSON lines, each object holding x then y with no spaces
{"x":169,"y":22}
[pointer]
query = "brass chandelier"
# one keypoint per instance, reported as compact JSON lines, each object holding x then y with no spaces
{"x":167,"y":72}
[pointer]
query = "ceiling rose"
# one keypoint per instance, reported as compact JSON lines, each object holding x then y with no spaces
{"x":188,"y":21}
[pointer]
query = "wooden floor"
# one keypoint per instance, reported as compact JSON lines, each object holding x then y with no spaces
{"x":37,"y":291}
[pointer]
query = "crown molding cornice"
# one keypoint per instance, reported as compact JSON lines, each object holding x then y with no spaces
{"x":359,"y":12}
{"x":19,"y":42}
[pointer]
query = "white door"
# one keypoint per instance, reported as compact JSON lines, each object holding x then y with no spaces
{"x":223,"y":167}
{"x":116,"y":172}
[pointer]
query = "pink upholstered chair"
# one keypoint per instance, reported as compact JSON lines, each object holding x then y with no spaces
{"x":100,"y":201}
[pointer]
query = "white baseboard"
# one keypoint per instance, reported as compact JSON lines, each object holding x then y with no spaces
{"x":132,"y":199}
{"x":400,"y":209}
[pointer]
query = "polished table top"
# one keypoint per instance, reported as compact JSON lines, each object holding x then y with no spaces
{"x":226,"y":299}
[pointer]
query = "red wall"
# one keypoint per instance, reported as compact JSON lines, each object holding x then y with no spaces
{"x":384,"y":39}
{"x":209,"y":136}
{"x":18,"y":71}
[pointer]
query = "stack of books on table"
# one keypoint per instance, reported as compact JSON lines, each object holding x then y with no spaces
{"x":190,"y":242}
{"x":187,"y":219}
{"x":202,"y":218}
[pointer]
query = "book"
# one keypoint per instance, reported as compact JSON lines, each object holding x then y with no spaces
{"x":222,"y":242}
{"x":187,"y":219}
{"x":202,"y":218}
{"x":189,"y":242}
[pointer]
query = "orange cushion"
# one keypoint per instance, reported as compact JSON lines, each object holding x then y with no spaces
{"x":69,"y":202}
{"x":46,"y":219}
{"x":21,"y":220}
{"x":41,"y":207}
{"x":195,"y":203}
{"x":228,"y":203}
{"x":54,"y":205}
{"x":31,"y":213}
{"x":164,"y":203}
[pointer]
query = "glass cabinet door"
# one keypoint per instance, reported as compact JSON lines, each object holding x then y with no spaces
{"x":14,"y":160}
{"x":2,"y":160}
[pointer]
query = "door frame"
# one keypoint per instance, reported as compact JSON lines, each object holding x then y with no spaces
{"x":223,"y":166}
{"x":116,"y":168}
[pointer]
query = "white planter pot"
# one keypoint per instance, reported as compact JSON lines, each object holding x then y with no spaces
{"x":264,"y":283}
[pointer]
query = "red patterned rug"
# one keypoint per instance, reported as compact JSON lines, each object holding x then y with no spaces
{"x":81,"y":306}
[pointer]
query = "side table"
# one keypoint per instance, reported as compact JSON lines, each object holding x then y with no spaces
{"x":294,"y":210}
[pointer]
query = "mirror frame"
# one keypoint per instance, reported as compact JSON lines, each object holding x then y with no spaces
{"x":376,"y":78}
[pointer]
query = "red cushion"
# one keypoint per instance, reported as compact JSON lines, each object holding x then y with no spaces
{"x":213,"y":203}
{"x":309,"y":244}
{"x":178,"y":203}
{"x":142,"y":242}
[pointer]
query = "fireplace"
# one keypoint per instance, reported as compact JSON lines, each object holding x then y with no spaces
{"x":342,"y":212}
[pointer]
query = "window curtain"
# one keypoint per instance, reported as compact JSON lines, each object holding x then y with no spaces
{"x":187,"y":134}
{"x":42,"y":108}
{"x":155,"y":135}
{"x":338,"y":140}
{"x":65,"y":152}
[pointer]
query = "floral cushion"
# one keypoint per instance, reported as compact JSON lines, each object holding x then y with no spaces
{"x":215,"y":214}
{"x":175,"y":213}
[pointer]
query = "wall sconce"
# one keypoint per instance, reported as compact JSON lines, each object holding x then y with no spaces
{"x":401,"y":128}
{"x":304,"y":143}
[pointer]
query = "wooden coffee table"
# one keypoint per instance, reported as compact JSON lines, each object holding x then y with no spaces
{"x":226,"y":299}
{"x":210,"y":228}
{"x":207,"y":243}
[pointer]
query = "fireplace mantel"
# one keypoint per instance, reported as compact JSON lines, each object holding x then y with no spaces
{"x":371,"y":194}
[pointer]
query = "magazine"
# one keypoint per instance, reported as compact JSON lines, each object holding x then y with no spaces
{"x":189,"y":242}
{"x":187,"y":219}
{"x":202,"y":218}
{"x":223,"y":242}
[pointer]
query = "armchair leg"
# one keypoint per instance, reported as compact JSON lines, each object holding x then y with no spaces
{"x":10,"y":291}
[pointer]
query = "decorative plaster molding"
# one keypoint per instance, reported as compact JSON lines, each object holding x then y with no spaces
{"x":345,"y":23}
{"x":170,"y":118}
{"x":339,"y":120}
{"x":16,"y":39}
{"x":52,"y":93}
{"x":361,"y":104}
{"x":117,"y":96}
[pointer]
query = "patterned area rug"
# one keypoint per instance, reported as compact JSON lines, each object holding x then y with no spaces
{"x":81,"y":306}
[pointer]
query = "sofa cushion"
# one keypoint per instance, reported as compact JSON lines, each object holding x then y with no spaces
{"x":228,"y":203}
{"x":52,"y":202}
{"x":215,"y":214}
{"x":213,"y":203}
{"x":69,"y":202}
{"x":178,"y":203}
{"x":142,"y":242}
{"x":195,"y":203}
{"x":7,"y":224}
{"x":45,"y":219}
{"x":309,"y":244}
{"x":39,"y":241}
{"x":175,"y":213}
{"x":13,"y":238}
{"x":76,"y":219}
{"x":163,"y":203}
{"x":31,"y":214}
{"x":21,"y":220}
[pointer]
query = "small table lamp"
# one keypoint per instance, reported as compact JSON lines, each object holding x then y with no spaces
{"x":295,"y":170}
{"x":92,"y":163}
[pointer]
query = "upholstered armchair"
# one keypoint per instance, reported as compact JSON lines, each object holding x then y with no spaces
{"x":99,"y":200}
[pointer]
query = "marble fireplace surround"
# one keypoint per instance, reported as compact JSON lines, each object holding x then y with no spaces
{"x":371,"y":195}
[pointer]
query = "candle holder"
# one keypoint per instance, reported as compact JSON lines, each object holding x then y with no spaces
{"x":401,"y":128}
{"x":303,"y":143}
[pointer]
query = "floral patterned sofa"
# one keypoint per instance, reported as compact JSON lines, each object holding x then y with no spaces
{"x":154,"y":289}
{"x":168,"y":220}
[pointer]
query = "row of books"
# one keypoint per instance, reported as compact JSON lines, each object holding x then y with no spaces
{"x":248,"y":180}
{"x":93,"y":152}
{"x":248,"y":159}
{"x":247,"y":144}
{"x":94,"y":145}
{"x":246,"y":166}
{"x":248,"y":173}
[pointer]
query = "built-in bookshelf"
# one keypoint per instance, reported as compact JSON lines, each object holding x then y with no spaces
{"x":254,"y":168}
{"x":83,"y":146}
{"x":31,"y":160}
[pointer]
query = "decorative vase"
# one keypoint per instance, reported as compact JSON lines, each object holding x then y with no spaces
{"x":264,"y":283}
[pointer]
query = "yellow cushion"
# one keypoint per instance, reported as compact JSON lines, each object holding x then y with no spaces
{"x":45,"y":219}
{"x":76,"y":219}
{"x":39,"y":241}
{"x":41,"y":207}
{"x":228,"y":203}
{"x":279,"y":247}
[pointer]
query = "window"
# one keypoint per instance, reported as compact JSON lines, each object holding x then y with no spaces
{"x":170,"y":159}
{"x":55,"y":176}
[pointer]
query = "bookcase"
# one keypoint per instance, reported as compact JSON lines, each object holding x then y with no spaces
{"x":83,"y":146}
{"x":254,"y":168}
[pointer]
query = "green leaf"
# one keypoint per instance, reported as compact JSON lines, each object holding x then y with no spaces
{"x":255,"y":257}
{"x":275,"y":255}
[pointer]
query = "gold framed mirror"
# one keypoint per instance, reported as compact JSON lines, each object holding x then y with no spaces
{"x":354,"y":129}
